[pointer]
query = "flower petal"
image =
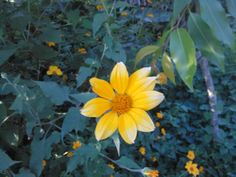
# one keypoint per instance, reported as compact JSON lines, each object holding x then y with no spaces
{"x":127,"y":128}
{"x":139,"y":74}
{"x":119,"y":78}
{"x":143,"y":121}
{"x":95,"y":107}
{"x":141,"y":85}
{"x":106,"y":126}
{"x":147,"y":100}
{"x":102,"y":88}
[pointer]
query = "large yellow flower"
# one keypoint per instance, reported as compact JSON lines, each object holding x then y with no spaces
{"x":123,"y":103}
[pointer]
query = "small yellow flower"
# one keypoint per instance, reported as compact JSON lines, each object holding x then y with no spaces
{"x":163,"y":131}
{"x":158,"y":124}
{"x":191,"y":155}
{"x":161,"y":78}
{"x":154,"y":159}
{"x":192,"y":168}
{"x":44,"y":163}
{"x":142,"y":150}
{"x":201,"y":169}
{"x":82,"y":51}
{"x":151,"y":173}
{"x":124,"y":14}
{"x":54,"y":70}
{"x":150,"y":15}
{"x":112,"y":166}
{"x":76,"y":145}
{"x":69,"y":154}
{"x":159,"y":115}
{"x":124,"y":101}
{"x":88,"y":34}
{"x":51,"y":44}
{"x":99,"y":7}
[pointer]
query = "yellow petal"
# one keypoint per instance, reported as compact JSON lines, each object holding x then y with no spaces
{"x":139,"y":74}
{"x":119,"y":78}
{"x":49,"y":72}
{"x":127,"y":128}
{"x":52,"y":67}
{"x":102,"y":88}
{"x":59,"y":72}
{"x":106,"y":126}
{"x":143,"y":121}
{"x":95,"y":107}
{"x":141,"y":85}
{"x":147,"y":100}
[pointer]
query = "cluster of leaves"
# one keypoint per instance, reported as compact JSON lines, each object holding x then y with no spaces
{"x":39,"y":114}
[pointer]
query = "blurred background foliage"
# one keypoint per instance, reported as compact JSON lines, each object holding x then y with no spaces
{"x":42,"y":132}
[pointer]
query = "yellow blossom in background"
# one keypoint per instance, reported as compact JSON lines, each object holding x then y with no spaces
{"x":142,"y":150}
{"x":163,"y":131}
{"x":122,"y":103}
{"x":151,"y":173}
{"x":159,"y":115}
{"x":192,"y":168}
{"x":82,"y":51}
{"x":201,"y":169}
{"x":51,"y":44}
{"x":44,"y":163}
{"x":158,"y":124}
{"x":162,"y":78}
{"x":191,"y":155}
{"x":88,"y":33}
{"x":150,"y":15}
{"x":112,"y":166}
{"x":69,"y":154}
{"x":99,"y":7}
{"x":76,"y":145}
{"x":54,"y":70}
{"x":124,"y":14}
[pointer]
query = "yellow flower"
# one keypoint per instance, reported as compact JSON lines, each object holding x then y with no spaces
{"x":82,"y":51}
{"x":142,"y":150}
{"x":161,"y":78}
{"x":201,"y":169}
{"x":192,"y":168}
{"x":69,"y":154}
{"x":159,"y":115}
{"x":76,"y":145}
{"x":191,"y":155}
{"x":112,"y":166}
{"x":124,"y":14}
{"x":150,"y":15}
{"x":151,"y":173}
{"x":54,"y":70}
{"x":51,"y":44}
{"x":125,"y":108}
{"x":163,"y":131}
{"x":88,"y":34}
{"x":99,"y":7}
{"x":158,"y":124}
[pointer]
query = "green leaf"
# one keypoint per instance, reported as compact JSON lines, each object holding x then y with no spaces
{"x":51,"y":35}
{"x":183,"y":54}
{"x":82,"y":97}
{"x":168,"y":67}
{"x":73,"y":121}
{"x":84,"y":73}
{"x":57,"y":94}
{"x":54,"y":138}
{"x":205,"y":41}
{"x":145,"y":51}
{"x":126,"y":162}
{"x":98,"y":21}
{"x":231,"y":6}
{"x":73,"y":17}
{"x":3,"y":112}
{"x":5,"y":161}
{"x":43,"y":52}
{"x":24,"y":173}
{"x":179,"y":5}
{"x":6,"y":53}
{"x":213,"y":14}
{"x":10,"y":134}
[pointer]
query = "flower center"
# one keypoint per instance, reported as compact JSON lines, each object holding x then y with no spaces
{"x":121,"y":103}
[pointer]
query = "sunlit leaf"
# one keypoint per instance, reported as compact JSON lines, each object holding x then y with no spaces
{"x":168,"y":67}
{"x":145,"y":51}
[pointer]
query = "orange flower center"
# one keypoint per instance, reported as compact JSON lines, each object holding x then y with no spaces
{"x":121,"y":103}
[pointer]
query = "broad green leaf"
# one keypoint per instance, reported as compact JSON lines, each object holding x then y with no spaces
{"x":84,"y":73}
{"x":54,"y":138}
{"x":73,"y":17}
{"x":168,"y":67}
{"x":5,"y":161}
{"x":73,"y":121}
{"x":3,"y":112}
{"x":126,"y":162}
{"x":57,"y":94}
{"x":214,"y":15}
{"x":24,"y":173}
{"x":179,"y":5}
{"x":231,"y":6}
{"x":82,"y":97}
{"x":43,"y":52}
{"x":6,"y":53}
{"x":145,"y":51}
{"x":205,"y":40}
{"x":183,"y":54}
{"x":98,"y":21}
{"x":51,"y":35}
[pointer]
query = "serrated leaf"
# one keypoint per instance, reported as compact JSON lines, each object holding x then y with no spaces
{"x":214,"y":15}
{"x":179,"y":5}
{"x":205,"y":40}
{"x":184,"y":56}
{"x":145,"y":51}
{"x":98,"y":21}
{"x":6,"y":53}
{"x":231,"y":6}
{"x":5,"y":161}
{"x":126,"y":162}
{"x":168,"y":67}
{"x":84,"y":73}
